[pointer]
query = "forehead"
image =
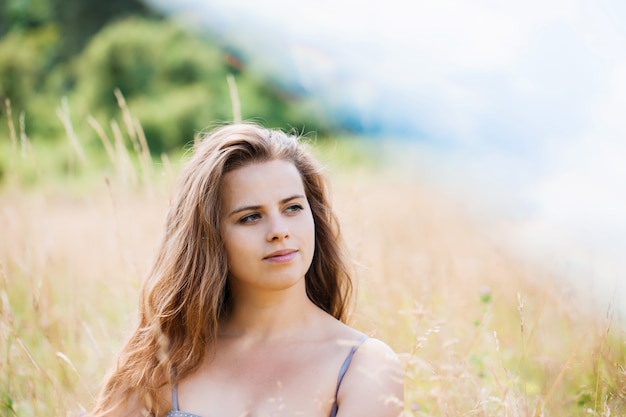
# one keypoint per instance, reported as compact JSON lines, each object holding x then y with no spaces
{"x":261,"y":183}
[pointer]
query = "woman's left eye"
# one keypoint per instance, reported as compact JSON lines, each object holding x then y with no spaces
{"x":294,"y":208}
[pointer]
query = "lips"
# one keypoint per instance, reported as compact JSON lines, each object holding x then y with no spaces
{"x":281,"y":256}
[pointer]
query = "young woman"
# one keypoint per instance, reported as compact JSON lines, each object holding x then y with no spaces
{"x":242,"y":313}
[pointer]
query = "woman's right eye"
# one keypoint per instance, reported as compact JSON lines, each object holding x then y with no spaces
{"x":250,"y":218}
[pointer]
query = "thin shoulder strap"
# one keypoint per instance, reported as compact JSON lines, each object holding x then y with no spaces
{"x":175,"y":398}
{"x":343,"y":370}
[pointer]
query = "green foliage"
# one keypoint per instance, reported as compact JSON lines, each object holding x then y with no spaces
{"x":24,"y":59}
{"x":26,"y":62}
{"x":7,"y":404}
{"x":22,"y":14}
{"x":143,"y":58}
{"x":276,"y":108}
{"x":174,"y":81}
{"x":79,"y":20}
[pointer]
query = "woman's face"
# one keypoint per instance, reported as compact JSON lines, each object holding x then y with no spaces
{"x":267,"y":226}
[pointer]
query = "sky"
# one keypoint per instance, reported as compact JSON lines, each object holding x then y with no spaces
{"x":520,"y":104}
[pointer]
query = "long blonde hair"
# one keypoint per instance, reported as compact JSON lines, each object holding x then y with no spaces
{"x":186,"y":293}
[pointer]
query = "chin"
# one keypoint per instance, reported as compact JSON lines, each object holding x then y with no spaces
{"x":285,"y":281}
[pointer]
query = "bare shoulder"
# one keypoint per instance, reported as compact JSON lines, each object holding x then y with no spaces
{"x":374,"y":383}
{"x":374,"y":350}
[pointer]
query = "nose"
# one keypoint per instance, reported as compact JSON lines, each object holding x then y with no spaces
{"x":278,"y":230}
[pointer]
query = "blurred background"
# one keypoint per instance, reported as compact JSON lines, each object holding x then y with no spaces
{"x":516,"y":110}
{"x":476,"y":153}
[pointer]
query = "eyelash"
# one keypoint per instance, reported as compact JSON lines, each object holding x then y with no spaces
{"x":292,"y":209}
{"x":249,"y":218}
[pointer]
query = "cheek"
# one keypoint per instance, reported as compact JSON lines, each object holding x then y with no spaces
{"x":235,"y":248}
{"x":310,"y":232}
{"x":239,"y":256}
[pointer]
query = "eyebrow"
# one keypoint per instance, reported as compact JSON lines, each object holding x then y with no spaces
{"x":252,"y":208}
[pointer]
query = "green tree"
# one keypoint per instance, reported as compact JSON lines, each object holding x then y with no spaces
{"x":173,"y":82}
{"x":79,"y":20}
{"x":24,"y":14}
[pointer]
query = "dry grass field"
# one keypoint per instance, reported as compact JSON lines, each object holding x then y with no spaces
{"x":480,"y":332}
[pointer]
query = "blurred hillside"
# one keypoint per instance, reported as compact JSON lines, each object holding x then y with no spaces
{"x":174,"y":80}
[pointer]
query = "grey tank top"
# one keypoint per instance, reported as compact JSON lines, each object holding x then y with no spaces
{"x":333,"y":411}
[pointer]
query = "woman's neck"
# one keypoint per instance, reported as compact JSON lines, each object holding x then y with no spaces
{"x":265,"y":315}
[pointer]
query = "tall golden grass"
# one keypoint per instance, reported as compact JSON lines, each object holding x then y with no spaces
{"x":480,"y":332}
